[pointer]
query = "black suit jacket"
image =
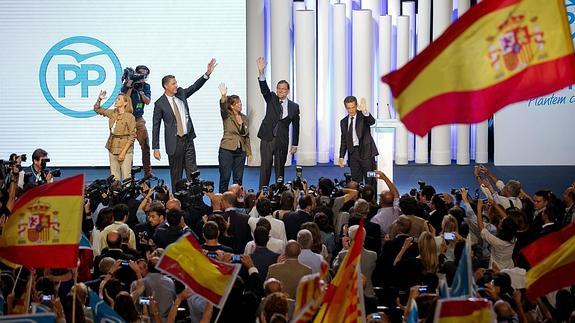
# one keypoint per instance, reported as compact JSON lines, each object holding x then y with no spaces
{"x":163,"y":111}
{"x":367,"y":147}
{"x":274,"y":115}
{"x":239,"y":229}
{"x":293,"y":222}
{"x":263,"y":258}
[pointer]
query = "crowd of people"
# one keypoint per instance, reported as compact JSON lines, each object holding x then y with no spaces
{"x":412,"y":241}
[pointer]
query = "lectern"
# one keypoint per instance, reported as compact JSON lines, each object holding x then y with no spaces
{"x":385,"y":142}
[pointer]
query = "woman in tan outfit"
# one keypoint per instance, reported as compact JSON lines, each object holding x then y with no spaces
{"x":235,"y":144}
{"x":122,"y":125}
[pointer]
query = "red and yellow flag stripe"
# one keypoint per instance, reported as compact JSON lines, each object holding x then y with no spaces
{"x":499,"y":52}
{"x":185,"y":261}
{"x":463,"y":310}
{"x":45,"y":226}
{"x":552,"y":260}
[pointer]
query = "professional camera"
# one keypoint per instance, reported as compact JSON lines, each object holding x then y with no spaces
{"x":297,"y":183}
{"x":56,"y":172}
{"x":413,"y":191}
{"x":193,"y":191}
{"x":99,"y":192}
{"x":130,"y":74}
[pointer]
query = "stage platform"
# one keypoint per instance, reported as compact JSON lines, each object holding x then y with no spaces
{"x":443,"y":178}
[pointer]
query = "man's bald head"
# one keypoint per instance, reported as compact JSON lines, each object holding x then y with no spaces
{"x":292,"y":249}
{"x":114,"y":240}
{"x":217,"y":202}
{"x":236,"y":189}
{"x":386,"y":198}
{"x":173,"y":204}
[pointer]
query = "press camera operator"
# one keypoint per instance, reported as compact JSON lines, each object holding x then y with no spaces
{"x":139,"y":91}
{"x":41,"y":174}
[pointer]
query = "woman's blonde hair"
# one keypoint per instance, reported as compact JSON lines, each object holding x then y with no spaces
{"x":449,"y":224}
{"x":428,"y":252}
{"x":127,"y":102}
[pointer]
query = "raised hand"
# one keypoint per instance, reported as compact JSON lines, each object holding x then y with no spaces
{"x":211,"y":66}
{"x":102,"y":95}
{"x":261,"y":65}
{"x":223,"y":89}
{"x":362,"y":105}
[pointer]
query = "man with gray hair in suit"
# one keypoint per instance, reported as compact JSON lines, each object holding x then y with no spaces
{"x":308,"y":257}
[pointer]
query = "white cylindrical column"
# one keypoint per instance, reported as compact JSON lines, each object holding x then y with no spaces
{"x":383,"y":111}
{"x":441,"y":135}
{"x":482,"y":140}
{"x":401,"y":136}
{"x":394,"y":9}
{"x":408,"y":9}
{"x":254,"y":49}
{"x":340,"y":84}
{"x":362,"y":57}
{"x":462,"y":155}
{"x":281,"y":17}
{"x":375,"y":7}
{"x":324,"y":115}
{"x":305,"y":89}
{"x":423,"y":38}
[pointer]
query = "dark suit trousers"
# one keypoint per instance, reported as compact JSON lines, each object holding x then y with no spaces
{"x":231,"y":161}
{"x":183,"y":158}
{"x":360,"y":167}
{"x":272,"y":151}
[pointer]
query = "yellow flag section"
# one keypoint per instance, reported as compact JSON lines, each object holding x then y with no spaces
{"x":44,"y":228}
{"x":552,"y":261}
{"x":476,"y":310}
{"x":343,"y":300}
{"x":209,"y":278}
{"x":498,"y":53}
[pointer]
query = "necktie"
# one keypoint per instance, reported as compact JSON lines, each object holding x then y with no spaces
{"x":350,"y":134}
{"x":179,"y":124}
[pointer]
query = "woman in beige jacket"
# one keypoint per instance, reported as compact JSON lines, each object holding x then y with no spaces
{"x":122,"y":125}
{"x":235,"y":143}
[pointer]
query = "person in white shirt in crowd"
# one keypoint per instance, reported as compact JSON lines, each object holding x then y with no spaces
{"x":264,"y":209}
{"x":275,"y":245}
{"x":508,"y":195}
{"x":389,"y":203}
{"x":308,"y":257}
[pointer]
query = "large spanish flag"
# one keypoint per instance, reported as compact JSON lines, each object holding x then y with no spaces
{"x":476,"y":310}
{"x":343,"y":299}
{"x":497,"y":53}
{"x":44,"y":228}
{"x":209,"y":278}
{"x":552,"y":261}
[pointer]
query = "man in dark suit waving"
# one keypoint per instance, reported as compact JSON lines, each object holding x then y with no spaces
{"x":357,"y":141}
{"x":274,"y":130}
{"x":173,"y":109}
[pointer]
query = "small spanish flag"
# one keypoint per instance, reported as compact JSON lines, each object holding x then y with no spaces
{"x":209,"y":278}
{"x":476,"y":310}
{"x":44,"y":228}
{"x":497,"y":53}
{"x":552,"y":261}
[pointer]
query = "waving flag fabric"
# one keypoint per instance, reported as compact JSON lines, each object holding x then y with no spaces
{"x":476,"y":310}
{"x":552,"y":261}
{"x":209,"y":278}
{"x":497,"y":53}
{"x":44,"y":228}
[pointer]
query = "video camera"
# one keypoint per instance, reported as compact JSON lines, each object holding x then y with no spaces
{"x":413,"y":191}
{"x":99,"y":192}
{"x":8,"y":166}
{"x":129,"y":74}
{"x":193,"y":191}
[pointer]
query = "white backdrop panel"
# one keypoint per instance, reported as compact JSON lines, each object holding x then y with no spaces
{"x":171,"y":37}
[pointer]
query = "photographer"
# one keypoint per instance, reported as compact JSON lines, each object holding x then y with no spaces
{"x":122,"y":125}
{"x":140,"y":93}
{"x":40,"y":174}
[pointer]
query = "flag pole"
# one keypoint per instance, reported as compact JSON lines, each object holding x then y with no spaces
{"x":31,"y":279}
{"x":16,"y":281}
{"x":75,"y":287}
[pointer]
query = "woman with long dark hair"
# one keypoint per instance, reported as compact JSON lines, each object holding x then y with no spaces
{"x":235,"y":143}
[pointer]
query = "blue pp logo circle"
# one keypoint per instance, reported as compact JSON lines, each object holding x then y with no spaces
{"x":76,"y":67}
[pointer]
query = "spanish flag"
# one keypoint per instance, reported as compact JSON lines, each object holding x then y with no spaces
{"x":476,"y":310}
{"x":497,"y":53}
{"x":552,"y":261}
{"x":44,"y":228}
{"x":343,"y":299}
{"x":309,"y":295}
{"x":209,"y":278}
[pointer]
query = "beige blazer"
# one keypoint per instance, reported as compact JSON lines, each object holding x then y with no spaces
{"x":289,"y":273}
{"x":122,"y":130}
{"x":233,"y":137}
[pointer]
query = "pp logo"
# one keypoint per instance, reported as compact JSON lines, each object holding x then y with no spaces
{"x":73,"y":72}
